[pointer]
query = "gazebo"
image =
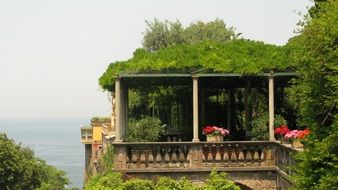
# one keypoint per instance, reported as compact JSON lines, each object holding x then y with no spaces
{"x":199,"y":83}
{"x":205,"y":70}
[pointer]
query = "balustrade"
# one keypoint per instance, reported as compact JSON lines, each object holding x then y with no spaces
{"x":284,"y":157}
{"x":236,"y":154}
{"x":156,"y":155}
{"x":195,"y":155}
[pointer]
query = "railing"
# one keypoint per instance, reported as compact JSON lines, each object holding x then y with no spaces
{"x":237,"y":154}
{"x":184,"y":155}
{"x":284,"y":157}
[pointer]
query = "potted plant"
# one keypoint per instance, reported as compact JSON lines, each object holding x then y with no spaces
{"x":281,"y":131}
{"x":295,"y":136}
{"x":148,"y":129}
{"x":215,"y":133}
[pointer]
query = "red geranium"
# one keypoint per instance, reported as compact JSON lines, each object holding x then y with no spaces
{"x":282,"y":130}
{"x":302,"y":134}
{"x":213,"y":130}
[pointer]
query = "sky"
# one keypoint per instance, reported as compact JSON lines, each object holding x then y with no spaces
{"x":53,"y":52}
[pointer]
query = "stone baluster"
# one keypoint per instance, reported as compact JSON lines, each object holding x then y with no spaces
{"x":185,"y":154}
{"x":229,"y":154}
{"x":237,"y":151}
{"x":245,"y":153}
{"x":221,"y":152}
{"x":205,"y":151}
{"x":146,"y":157}
{"x":154,"y":154}
{"x":213,"y":152}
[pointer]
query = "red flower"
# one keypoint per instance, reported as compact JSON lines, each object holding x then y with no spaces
{"x":214,"y":130}
{"x":282,"y":130}
{"x":302,"y":134}
{"x":208,"y":130}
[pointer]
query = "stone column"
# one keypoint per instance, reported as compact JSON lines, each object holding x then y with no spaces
{"x":195,"y":108}
{"x":118,"y":109}
{"x":113,"y":116}
{"x":271,"y":109}
{"x":124,"y":101}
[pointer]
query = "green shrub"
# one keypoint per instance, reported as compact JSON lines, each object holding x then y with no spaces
{"x":219,"y":181}
{"x":107,"y":181}
{"x":260,"y":126}
{"x":113,"y":180}
{"x":148,"y":129}
{"x":186,"y":184}
{"x":166,"y":183}
{"x":137,"y":184}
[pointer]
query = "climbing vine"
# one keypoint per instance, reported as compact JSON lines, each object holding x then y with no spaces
{"x":234,"y":56}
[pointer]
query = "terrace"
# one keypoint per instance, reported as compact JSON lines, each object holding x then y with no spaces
{"x":252,"y":164}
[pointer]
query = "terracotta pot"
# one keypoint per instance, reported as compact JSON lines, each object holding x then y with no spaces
{"x":296,"y":144}
{"x":218,"y":138}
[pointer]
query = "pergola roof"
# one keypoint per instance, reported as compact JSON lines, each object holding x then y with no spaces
{"x":211,"y":80}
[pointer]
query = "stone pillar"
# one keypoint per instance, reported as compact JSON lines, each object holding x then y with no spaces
{"x":271,"y":109}
{"x":113,"y":116}
{"x":195,"y":108}
{"x":118,"y":109}
{"x":124,"y":110}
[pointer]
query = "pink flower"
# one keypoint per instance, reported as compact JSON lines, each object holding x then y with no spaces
{"x":292,"y":134}
{"x":214,"y":130}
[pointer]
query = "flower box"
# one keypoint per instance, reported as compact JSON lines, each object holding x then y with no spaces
{"x":215,"y":138}
{"x":215,"y":134}
{"x":296,"y":144}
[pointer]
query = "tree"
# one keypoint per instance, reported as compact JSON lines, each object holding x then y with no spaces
{"x":315,"y":57}
{"x":315,"y":96}
{"x":164,"y":34}
{"x":19,"y":169}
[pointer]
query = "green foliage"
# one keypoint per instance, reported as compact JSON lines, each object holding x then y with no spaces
{"x":137,"y":184}
{"x":19,"y":169}
{"x":318,"y":164}
{"x":98,"y":119}
{"x":148,"y":129}
{"x":164,"y":34}
{"x":315,"y":97}
{"x":279,"y":120}
{"x":108,"y":158}
{"x":237,"y":56}
{"x":166,"y":183}
{"x":219,"y":181}
{"x":112,"y":180}
{"x":260,"y":125}
{"x":315,"y":54}
{"x":106,"y":181}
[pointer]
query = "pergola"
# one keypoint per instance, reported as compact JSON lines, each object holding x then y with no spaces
{"x":225,"y":80}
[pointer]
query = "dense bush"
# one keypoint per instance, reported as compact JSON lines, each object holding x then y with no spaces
{"x":317,"y":167}
{"x":19,"y":169}
{"x":260,"y":126}
{"x":315,"y":97}
{"x":137,"y":184}
{"x":148,"y":129}
{"x":106,"y":181}
{"x":219,"y":181}
{"x":112,"y":180}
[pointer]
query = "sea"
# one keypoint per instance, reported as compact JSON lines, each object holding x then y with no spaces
{"x":57,"y":141}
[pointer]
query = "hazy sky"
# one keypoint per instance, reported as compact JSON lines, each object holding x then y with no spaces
{"x":53,"y":52}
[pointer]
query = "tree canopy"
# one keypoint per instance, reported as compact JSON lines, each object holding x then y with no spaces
{"x":19,"y":169}
{"x":164,"y":34}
